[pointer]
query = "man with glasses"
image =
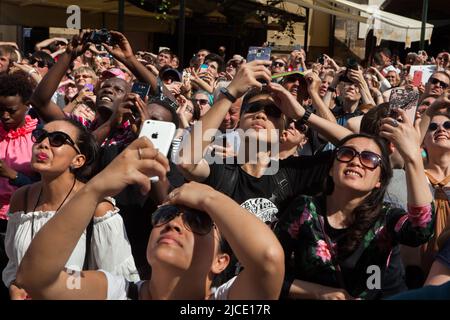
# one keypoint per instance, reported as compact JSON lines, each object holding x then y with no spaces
{"x":437,"y":84}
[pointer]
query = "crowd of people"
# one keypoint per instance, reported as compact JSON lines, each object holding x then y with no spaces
{"x":350,"y":174}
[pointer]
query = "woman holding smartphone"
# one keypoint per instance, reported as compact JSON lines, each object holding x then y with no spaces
{"x":186,"y":248}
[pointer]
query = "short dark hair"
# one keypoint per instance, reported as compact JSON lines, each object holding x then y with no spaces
{"x":169,"y":105}
{"x":371,"y":121}
{"x":167,"y":51}
{"x":45,"y":57}
{"x":16,"y":84}
{"x":216,"y":58}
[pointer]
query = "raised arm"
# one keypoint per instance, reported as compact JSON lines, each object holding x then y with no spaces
{"x":41,"y":98}
{"x":192,"y":149}
{"x":255,"y":246}
{"x":42,"y":271}
{"x":323,"y":111}
{"x":123,"y":52}
{"x":48,"y":42}
{"x":294,"y":110}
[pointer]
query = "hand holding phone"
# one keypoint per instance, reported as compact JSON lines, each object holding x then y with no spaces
{"x":142,"y":89}
{"x":405,"y":99}
{"x":161,"y":134}
{"x":417,"y":79}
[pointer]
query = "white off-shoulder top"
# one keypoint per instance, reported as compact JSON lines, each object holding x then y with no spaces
{"x":110,"y":249}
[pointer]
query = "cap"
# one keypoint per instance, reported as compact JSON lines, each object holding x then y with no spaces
{"x":171,"y":71}
{"x":113,"y":72}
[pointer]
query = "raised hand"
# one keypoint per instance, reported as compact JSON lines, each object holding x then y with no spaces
{"x":246,"y":77}
{"x":121,"y":49}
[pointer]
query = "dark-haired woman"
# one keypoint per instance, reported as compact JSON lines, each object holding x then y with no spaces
{"x":63,"y":152}
{"x":185,"y":249}
{"x":15,"y":138}
{"x":342,"y":241}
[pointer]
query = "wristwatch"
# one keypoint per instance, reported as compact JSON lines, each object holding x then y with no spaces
{"x":227,"y":94}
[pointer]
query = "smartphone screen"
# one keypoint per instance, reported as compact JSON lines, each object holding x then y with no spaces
{"x":141,"y":89}
{"x":89,"y":87}
{"x":259,"y":53}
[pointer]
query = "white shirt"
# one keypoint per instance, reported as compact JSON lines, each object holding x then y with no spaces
{"x":110,"y":248}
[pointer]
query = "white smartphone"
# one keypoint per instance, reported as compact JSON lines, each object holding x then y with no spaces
{"x":161,"y":134}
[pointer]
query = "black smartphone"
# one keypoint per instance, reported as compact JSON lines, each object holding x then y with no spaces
{"x":142,"y":89}
{"x":321,"y":59}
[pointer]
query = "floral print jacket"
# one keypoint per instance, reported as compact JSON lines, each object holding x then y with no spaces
{"x":309,"y":258}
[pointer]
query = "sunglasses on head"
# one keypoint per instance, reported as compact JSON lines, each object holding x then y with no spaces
{"x":197,"y":222}
{"x":200,"y":101}
{"x":56,"y":138}
{"x":40,"y":63}
{"x":368,"y":159}
{"x":434,"y":126}
{"x":442,"y":84}
{"x":270,"y":109}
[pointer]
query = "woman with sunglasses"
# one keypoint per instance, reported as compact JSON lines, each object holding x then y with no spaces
{"x":63,"y":153}
{"x":292,"y":139}
{"x":342,"y":240}
{"x":437,"y":146}
{"x":185,"y":249}
{"x":203,"y":100}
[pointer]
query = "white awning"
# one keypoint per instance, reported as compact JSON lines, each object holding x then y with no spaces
{"x":385,"y":25}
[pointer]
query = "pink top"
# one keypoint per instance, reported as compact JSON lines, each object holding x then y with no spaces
{"x":15,"y":151}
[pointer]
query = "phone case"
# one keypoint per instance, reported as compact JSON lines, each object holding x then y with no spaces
{"x":141,"y":89}
{"x":406,"y":100}
{"x":160,"y":133}
{"x":259,"y":53}
{"x":417,"y":80}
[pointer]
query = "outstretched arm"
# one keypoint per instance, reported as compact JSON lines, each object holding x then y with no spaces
{"x":42,"y":270}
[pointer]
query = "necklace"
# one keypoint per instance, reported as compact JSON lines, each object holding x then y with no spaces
{"x":37,"y":202}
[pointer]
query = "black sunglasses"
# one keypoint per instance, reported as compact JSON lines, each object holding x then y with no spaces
{"x":368,"y":159}
{"x":196,"y":221}
{"x":270,"y":109}
{"x":40,"y":63}
{"x":434,"y":126}
{"x":200,"y":101}
{"x":442,"y":84}
{"x":301,"y":127}
{"x":278,"y":64}
{"x":56,"y":138}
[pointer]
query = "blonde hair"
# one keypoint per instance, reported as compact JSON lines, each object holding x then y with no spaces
{"x":84,"y":69}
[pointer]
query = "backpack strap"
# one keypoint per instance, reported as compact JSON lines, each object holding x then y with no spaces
{"x":284,"y":187}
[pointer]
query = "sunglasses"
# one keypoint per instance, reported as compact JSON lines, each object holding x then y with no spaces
{"x":368,"y":159}
{"x":278,"y":64}
{"x":301,"y":127}
{"x":56,"y":138}
{"x":434,"y":126}
{"x":442,"y":84}
{"x":270,"y":109}
{"x":200,"y":101}
{"x":196,"y":221}
{"x":40,"y":63}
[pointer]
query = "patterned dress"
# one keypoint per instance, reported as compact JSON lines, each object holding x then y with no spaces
{"x":304,"y":230}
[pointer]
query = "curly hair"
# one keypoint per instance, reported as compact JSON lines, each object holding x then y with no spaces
{"x":369,"y":211}
{"x":16,"y":84}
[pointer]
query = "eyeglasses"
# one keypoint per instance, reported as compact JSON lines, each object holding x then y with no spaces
{"x":84,"y":76}
{"x":200,"y":101}
{"x":278,"y":64}
{"x":40,"y":63}
{"x":442,"y":84}
{"x":270,"y":109}
{"x":196,"y":221}
{"x":368,"y":159}
{"x":56,"y":138}
{"x":434,"y":126}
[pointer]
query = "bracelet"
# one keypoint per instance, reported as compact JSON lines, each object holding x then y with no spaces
{"x":305,"y":117}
